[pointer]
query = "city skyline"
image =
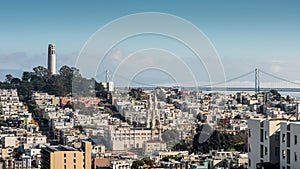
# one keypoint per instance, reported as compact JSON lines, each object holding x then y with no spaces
{"x":149,"y":84}
{"x":246,"y":35}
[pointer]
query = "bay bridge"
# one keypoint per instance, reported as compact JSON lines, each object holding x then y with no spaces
{"x":282,"y":84}
{"x":257,"y":84}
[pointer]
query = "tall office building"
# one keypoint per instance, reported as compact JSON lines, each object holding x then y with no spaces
{"x":52,"y":59}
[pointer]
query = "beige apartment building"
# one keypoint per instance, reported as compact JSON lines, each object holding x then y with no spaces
{"x":64,"y":157}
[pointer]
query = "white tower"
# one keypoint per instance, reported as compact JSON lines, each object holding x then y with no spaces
{"x":109,"y":84}
{"x":52,"y":59}
{"x":107,"y":76}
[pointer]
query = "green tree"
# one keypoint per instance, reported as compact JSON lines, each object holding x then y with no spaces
{"x":8,"y":77}
{"x":26,"y":76}
{"x":137,"y":164}
{"x":41,"y":71}
{"x":217,"y":141}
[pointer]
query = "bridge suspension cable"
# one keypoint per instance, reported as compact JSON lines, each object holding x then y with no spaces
{"x":276,"y":77}
{"x":229,"y":80}
{"x":218,"y":83}
{"x":207,"y":85}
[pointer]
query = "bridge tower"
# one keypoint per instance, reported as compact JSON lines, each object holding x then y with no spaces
{"x":257,"y":83}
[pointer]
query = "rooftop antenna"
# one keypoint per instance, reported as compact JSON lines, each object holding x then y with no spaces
{"x":107,"y":76}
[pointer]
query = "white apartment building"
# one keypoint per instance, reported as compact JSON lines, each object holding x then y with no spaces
{"x":139,"y":116}
{"x":120,"y":105}
{"x":24,"y":162}
{"x":183,"y":154}
{"x":123,"y":138}
{"x":98,"y":149}
{"x":9,"y":141}
{"x":9,"y":102}
{"x":263,"y":141}
{"x":44,"y":99}
{"x":121,"y":164}
{"x":290,"y":145}
{"x":152,"y":146}
{"x":31,"y":141}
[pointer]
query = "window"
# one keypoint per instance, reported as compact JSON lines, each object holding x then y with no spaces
{"x":261,"y":151}
{"x":295,"y":139}
{"x":249,"y":161}
{"x":283,"y":154}
{"x":74,"y":154}
{"x":74,"y":160}
{"x":262,"y":135}
{"x":296,"y":156}
{"x":266,"y":136}
{"x":65,"y":161}
{"x":277,"y":151}
{"x":249,"y":148}
{"x":65,"y":155}
{"x":288,"y":160}
{"x":288,"y":140}
{"x":266,"y":151}
{"x":277,"y":137}
{"x":262,"y":124}
{"x":283,"y":138}
{"x":249,"y":132}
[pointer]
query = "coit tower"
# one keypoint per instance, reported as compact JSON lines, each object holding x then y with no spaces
{"x":52,"y":59}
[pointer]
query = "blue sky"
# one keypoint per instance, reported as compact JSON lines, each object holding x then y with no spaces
{"x":246,"y":34}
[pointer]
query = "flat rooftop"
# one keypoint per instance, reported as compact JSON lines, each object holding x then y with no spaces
{"x":60,"y":148}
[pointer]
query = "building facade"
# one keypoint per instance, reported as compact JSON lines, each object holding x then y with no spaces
{"x":65,"y":157}
{"x":125,"y":137}
{"x":289,"y":145}
{"x":263,"y":142}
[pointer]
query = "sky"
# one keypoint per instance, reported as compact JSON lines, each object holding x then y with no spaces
{"x":245,"y":34}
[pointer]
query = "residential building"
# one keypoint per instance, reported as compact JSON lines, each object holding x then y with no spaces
{"x":152,"y":146}
{"x":263,"y":142}
{"x":9,"y":141}
{"x":125,"y":137}
{"x":289,"y":144}
{"x":64,"y":157}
